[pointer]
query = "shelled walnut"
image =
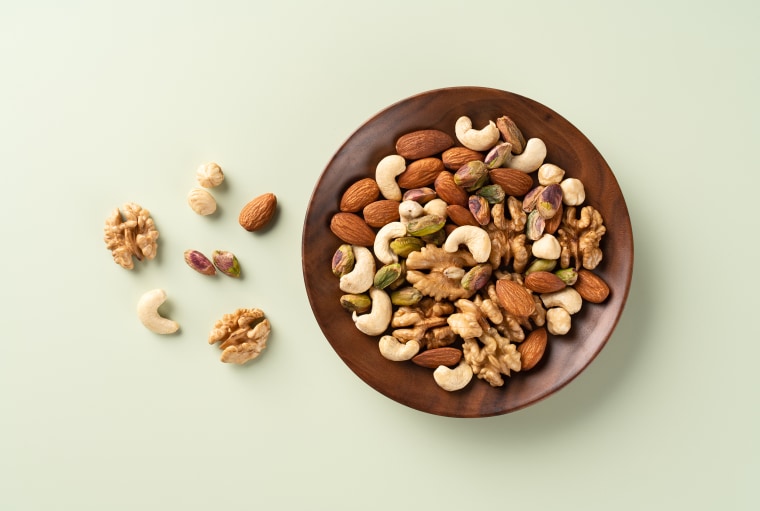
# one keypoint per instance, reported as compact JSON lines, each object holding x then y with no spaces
{"x":131,"y":233}
{"x":242,"y":335}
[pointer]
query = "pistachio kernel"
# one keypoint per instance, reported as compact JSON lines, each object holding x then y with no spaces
{"x":406,"y":245}
{"x":535,"y":225}
{"x":494,"y":194}
{"x":199,"y":262}
{"x":498,"y":155}
{"x":541,"y":265}
{"x":472,"y":175}
{"x":477,"y":277}
{"x":479,"y":208}
{"x":425,"y":225}
{"x":549,"y":201}
{"x":421,"y":195}
{"x":343,"y":260}
{"x":567,"y":275}
{"x":356,"y":302}
{"x":386,"y":275}
{"x":226,"y":262}
{"x":531,"y":199}
{"x":406,"y":296}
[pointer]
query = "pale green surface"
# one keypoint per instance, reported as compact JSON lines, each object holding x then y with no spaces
{"x":106,"y":102}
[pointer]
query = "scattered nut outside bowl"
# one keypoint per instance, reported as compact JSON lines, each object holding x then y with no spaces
{"x":456,"y":278}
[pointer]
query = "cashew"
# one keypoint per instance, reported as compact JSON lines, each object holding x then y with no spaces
{"x":377,"y":320}
{"x":453,"y":379}
{"x":567,"y":298}
{"x":393,"y":349}
{"x":474,"y":238}
{"x":361,"y":277}
{"x":477,"y":140}
{"x":558,"y":321}
{"x":383,"y":238}
{"x":409,"y":210}
{"x":531,"y":158}
{"x":147,"y":311}
{"x":436,"y":207}
{"x":549,"y":174}
{"x":385,"y":176}
{"x":546,"y":247}
{"x":573,"y":192}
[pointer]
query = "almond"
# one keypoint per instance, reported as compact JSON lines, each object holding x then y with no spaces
{"x":352,"y":229}
{"x":438,"y":357}
{"x":455,"y":157}
{"x":515,"y":298}
{"x":449,"y":191}
{"x":551,"y":225}
{"x":420,"y":173}
{"x":514,"y":182}
{"x":258,"y":212}
{"x":461,"y":215}
{"x":423,"y":143}
{"x":532,"y":349}
{"x":543,"y":282}
{"x":359,"y":195}
{"x":591,"y":287}
{"x":381,"y":212}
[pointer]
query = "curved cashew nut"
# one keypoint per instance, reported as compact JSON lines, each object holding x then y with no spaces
{"x":147,"y":311}
{"x":383,"y":239}
{"x":531,"y":158}
{"x":436,"y":207}
{"x":567,"y":298}
{"x":474,"y":238}
{"x":477,"y":140}
{"x":385,"y":176}
{"x":393,"y":349}
{"x":361,"y":277}
{"x":408,"y":210}
{"x":453,"y":379}
{"x":378,"y":319}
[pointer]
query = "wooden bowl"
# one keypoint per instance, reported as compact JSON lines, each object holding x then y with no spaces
{"x":566,"y":356}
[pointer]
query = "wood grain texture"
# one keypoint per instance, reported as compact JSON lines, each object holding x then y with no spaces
{"x":565,"y":356}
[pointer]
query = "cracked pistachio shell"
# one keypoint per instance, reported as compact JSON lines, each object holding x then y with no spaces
{"x":406,"y":296}
{"x":199,"y":262}
{"x":387,"y":275}
{"x":343,"y":260}
{"x":549,"y":201}
{"x":356,"y":302}
{"x":472,"y":175}
{"x":494,"y":194}
{"x":477,"y":277}
{"x":406,"y":245}
{"x":226,"y":262}
{"x":498,"y":155}
{"x":535,"y":225}
{"x":421,"y":195}
{"x":480,"y":209}
{"x":531,"y":199}
{"x":541,"y":265}
{"x":567,"y":275}
{"x":425,"y":225}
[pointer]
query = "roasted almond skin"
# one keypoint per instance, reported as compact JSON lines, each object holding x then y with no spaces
{"x":515,"y":298}
{"x":543,"y":282}
{"x":449,"y":191}
{"x":514,"y":182}
{"x":435,"y":357}
{"x":454,"y":157}
{"x":423,"y":143}
{"x":258,"y":212}
{"x":381,"y":212}
{"x":420,"y":173}
{"x":461,"y":215}
{"x":532,"y":349}
{"x":591,"y":287}
{"x":352,"y":229}
{"x":359,"y":194}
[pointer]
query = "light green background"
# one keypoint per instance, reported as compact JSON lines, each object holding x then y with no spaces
{"x":107,"y":102}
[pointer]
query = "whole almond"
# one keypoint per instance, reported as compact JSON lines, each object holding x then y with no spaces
{"x":258,"y":212}
{"x":532,"y":349}
{"x":381,"y":212}
{"x":513,"y":181}
{"x":352,"y":229}
{"x":435,"y":357}
{"x":423,"y":143}
{"x":543,"y":282}
{"x":515,"y":298}
{"x":461,"y":215}
{"x":420,"y":173}
{"x":454,"y":157}
{"x":449,"y":191}
{"x":359,"y":195}
{"x":591,"y":287}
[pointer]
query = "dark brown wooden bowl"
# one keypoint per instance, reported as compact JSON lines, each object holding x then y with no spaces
{"x":566,"y":356}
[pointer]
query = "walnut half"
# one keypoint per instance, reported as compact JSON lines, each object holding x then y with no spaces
{"x":242,"y":335}
{"x":132,"y":235}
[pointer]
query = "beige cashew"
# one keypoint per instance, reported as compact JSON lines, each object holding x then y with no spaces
{"x":408,"y":210}
{"x":474,"y":238}
{"x":573,"y":192}
{"x":558,"y":321}
{"x":147,"y":311}
{"x":567,"y":298}
{"x":477,"y":140}
{"x":379,"y":317}
{"x":361,"y":277}
{"x":531,"y":158}
{"x":385,"y":176}
{"x":453,"y":379}
{"x":436,"y":207}
{"x":546,"y":247}
{"x":383,"y":238}
{"x":393,"y":349}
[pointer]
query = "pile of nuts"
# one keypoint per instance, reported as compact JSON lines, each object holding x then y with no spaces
{"x":458,"y":261}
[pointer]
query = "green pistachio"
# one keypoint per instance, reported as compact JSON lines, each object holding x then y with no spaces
{"x":531,"y":199}
{"x":437,"y":238}
{"x":497,"y":156}
{"x":477,"y":277}
{"x":422,"y":195}
{"x":356,"y":303}
{"x":386,"y":275}
{"x":535,"y":225}
{"x":567,"y":275}
{"x":343,"y":260}
{"x":401,"y":280}
{"x":226,"y":262}
{"x":406,"y":245}
{"x":541,"y":265}
{"x":425,"y":225}
{"x":494,"y":194}
{"x":479,"y":208}
{"x":406,"y":296}
{"x":472,"y":175}
{"x":549,"y":201}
